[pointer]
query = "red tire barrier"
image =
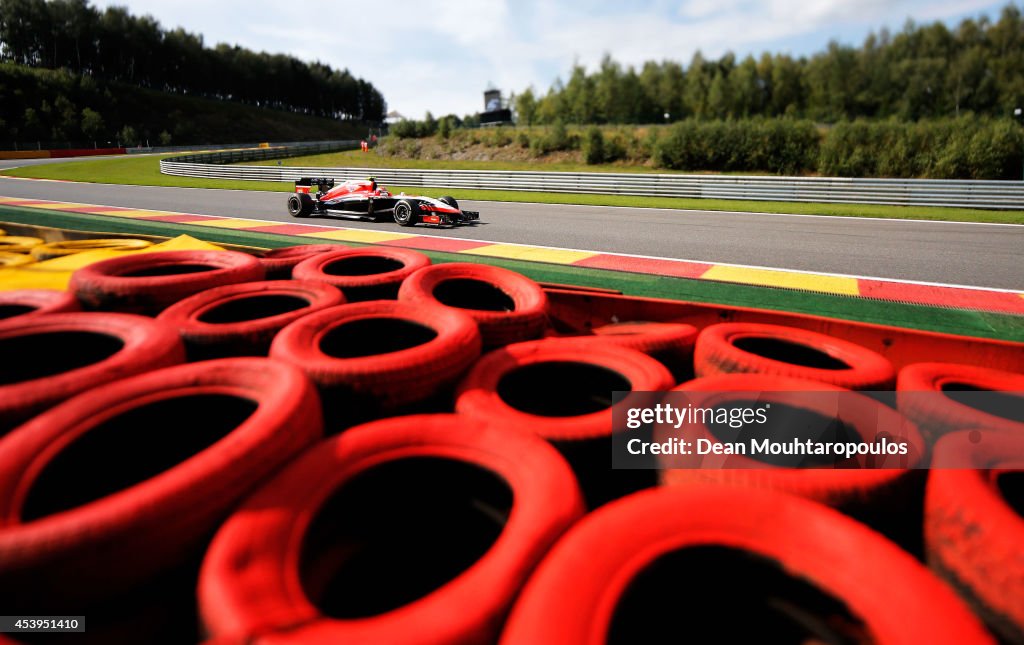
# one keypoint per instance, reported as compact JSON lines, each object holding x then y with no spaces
{"x":362,"y":274}
{"x":148,"y":283}
{"x":382,"y":354}
{"x":418,"y":529}
{"x":671,"y":344}
{"x":974,"y":526}
{"x":278,"y":263}
{"x":940,"y":413}
{"x":509,"y":307}
{"x":47,"y":359}
{"x":553,"y":389}
{"x":788,"y":351}
{"x":242,"y":319}
{"x":25,"y":302}
{"x":862,"y":486}
{"x":110,"y":488}
{"x":771,"y":567}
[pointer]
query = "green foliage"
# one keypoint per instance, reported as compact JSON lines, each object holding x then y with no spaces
{"x":92,"y":124}
{"x":593,"y":146}
{"x":961,"y":148}
{"x":112,"y":45}
{"x":58,"y":107}
{"x":165,"y":138}
{"x":922,"y":72}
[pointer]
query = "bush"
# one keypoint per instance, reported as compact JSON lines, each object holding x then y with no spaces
{"x":593,"y":146}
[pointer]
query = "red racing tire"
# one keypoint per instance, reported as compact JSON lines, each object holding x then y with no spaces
{"x":242,"y":319}
{"x":771,"y":567}
{"x":728,"y":348}
{"x":860,"y":488}
{"x":381,"y":355}
{"x":33,"y":302}
{"x":115,"y":486}
{"x":372,"y":273}
{"x":278,"y":263}
{"x":553,"y":389}
{"x":267,"y":574}
{"x":973,"y":524}
{"x":47,"y":359}
{"x":671,"y":344}
{"x":937,"y":412}
{"x":148,"y":283}
{"x":508,"y":306}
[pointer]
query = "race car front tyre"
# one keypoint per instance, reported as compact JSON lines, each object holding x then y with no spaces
{"x":448,"y":199}
{"x":404,"y":215}
{"x":300,"y":205}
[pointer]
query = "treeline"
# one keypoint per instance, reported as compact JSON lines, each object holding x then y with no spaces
{"x":965,"y":147}
{"x":921,"y":72}
{"x":112,"y":45}
{"x":59,"y":108}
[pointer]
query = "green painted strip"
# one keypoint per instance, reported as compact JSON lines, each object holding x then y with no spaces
{"x":951,"y":321}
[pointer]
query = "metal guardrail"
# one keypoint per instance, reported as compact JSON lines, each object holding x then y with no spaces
{"x":1007,"y":195}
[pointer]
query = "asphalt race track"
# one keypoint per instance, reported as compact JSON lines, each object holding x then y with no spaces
{"x":981,"y":255}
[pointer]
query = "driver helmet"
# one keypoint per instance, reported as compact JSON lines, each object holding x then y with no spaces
{"x":373,"y":182}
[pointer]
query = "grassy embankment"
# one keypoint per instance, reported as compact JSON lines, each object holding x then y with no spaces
{"x":145,"y":171}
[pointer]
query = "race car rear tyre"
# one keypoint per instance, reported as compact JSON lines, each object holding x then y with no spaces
{"x":242,"y":319}
{"x":973,"y":524}
{"x":928,"y":393}
{"x":148,"y":283}
{"x":368,"y":358}
{"x":508,"y":306}
{"x":47,"y":359}
{"x":757,"y":348}
{"x":300,"y":205}
{"x":448,"y":199}
{"x":371,"y":273}
{"x":131,"y":478}
{"x":404,"y":215}
{"x":24,"y":302}
{"x":278,"y":263}
{"x":713,"y":565}
{"x":416,"y":530}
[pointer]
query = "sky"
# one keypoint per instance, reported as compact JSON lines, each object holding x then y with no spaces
{"x":440,"y":55}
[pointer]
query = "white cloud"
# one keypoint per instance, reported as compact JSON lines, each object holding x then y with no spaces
{"x":439,"y":55}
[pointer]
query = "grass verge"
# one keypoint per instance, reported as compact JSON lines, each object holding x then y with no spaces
{"x":145,"y":171}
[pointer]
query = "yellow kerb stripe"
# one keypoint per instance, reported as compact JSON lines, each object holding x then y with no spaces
{"x":531,"y":253}
{"x":786,"y":279}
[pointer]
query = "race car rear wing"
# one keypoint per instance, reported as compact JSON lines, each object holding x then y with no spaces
{"x":305,"y":184}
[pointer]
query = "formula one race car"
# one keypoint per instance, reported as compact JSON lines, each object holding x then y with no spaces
{"x":369,"y":201}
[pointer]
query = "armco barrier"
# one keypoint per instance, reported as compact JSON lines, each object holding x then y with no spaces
{"x":1007,"y":195}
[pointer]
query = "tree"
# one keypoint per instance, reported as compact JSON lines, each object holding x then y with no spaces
{"x":92,"y":124}
{"x":526,"y":107}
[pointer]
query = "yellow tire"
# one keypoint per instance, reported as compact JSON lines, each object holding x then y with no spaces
{"x":9,"y":260}
{"x":70,"y":247}
{"x":18,"y":244}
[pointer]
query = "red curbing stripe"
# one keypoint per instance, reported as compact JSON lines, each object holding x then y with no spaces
{"x":671,"y":268}
{"x":101,"y":210}
{"x":179,"y":219}
{"x":427,"y":243}
{"x":943,"y":296}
